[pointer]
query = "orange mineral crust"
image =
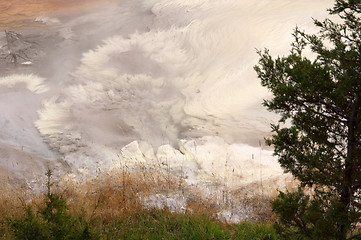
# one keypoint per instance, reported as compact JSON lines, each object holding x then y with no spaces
{"x":22,"y":13}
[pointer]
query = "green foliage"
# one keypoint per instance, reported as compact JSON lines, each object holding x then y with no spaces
{"x":29,"y":227}
{"x":146,"y":224}
{"x":52,"y":221}
{"x":303,"y":218}
{"x":255,"y":231}
{"x":318,"y":137}
{"x":161,"y":224}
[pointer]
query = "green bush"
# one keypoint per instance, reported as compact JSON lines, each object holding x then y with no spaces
{"x":161,"y":224}
{"x":255,"y":231}
{"x":51,"y":221}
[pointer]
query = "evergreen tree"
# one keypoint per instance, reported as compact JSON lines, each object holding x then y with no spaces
{"x":318,"y":137}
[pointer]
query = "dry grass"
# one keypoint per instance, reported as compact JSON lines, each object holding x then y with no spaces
{"x":123,"y":193}
{"x":12,"y":201}
{"x":114,"y":195}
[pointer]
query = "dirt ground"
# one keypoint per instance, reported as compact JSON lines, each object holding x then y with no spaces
{"x":21,"y":13}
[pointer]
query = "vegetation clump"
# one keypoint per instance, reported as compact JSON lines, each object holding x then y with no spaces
{"x":318,"y":137}
{"x":51,"y":221}
{"x":111,"y":211}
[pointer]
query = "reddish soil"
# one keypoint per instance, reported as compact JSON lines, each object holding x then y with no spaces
{"x":21,"y":13}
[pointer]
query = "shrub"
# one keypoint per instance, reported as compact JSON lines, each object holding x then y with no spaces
{"x":162,"y":224}
{"x":51,"y":221}
{"x":255,"y":231}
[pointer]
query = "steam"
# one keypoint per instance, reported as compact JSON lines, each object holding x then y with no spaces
{"x":33,"y":83}
{"x":190,"y":74}
{"x":126,"y":91}
{"x":155,"y":72}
